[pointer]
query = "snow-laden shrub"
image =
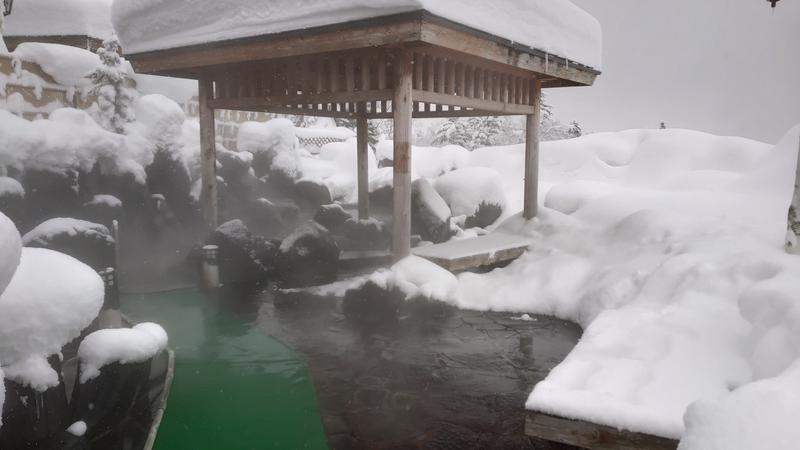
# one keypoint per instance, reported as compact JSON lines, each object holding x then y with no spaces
{"x":273,"y":145}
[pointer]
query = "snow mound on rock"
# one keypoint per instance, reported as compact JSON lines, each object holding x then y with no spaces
{"x":122,"y":345}
{"x":466,"y":189}
{"x":10,"y":249}
{"x":11,"y":187}
{"x":415,"y":276}
{"x":34,"y":372}
{"x":43,"y":233}
{"x":50,"y":299}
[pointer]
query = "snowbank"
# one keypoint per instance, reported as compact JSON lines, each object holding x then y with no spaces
{"x":50,"y":299}
{"x":122,"y":345}
{"x":336,"y":167}
{"x":666,"y":246}
{"x":415,"y":276}
{"x":10,"y":249}
{"x":57,"y":18}
{"x":466,"y":189}
{"x":555,"y":26}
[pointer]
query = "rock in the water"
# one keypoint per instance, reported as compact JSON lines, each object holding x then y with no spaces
{"x":331,"y":216}
{"x":430,"y":215}
{"x":88,"y":242}
{"x":242,"y":256}
{"x":312,"y":193}
{"x":102,"y":208}
{"x":308,"y":256}
{"x":369,"y":234}
{"x":475,"y":193}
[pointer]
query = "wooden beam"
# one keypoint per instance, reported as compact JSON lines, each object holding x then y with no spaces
{"x":475,"y":103}
{"x":208,"y":158}
{"x":402,"y":108}
{"x":591,"y":436}
{"x":362,"y":138}
{"x":306,"y":99}
{"x":532,"y":154}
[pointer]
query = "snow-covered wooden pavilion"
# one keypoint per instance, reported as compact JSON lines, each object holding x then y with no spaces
{"x":398,"y":59}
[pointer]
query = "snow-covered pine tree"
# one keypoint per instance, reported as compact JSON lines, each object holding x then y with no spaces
{"x":110,"y":81}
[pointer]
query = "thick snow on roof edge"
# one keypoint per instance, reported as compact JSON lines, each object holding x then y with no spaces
{"x":555,"y":26}
{"x":58,"y":17}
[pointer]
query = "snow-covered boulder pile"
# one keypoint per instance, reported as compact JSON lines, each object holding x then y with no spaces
{"x":308,"y":256}
{"x":242,"y":256}
{"x":476,"y":193}
{"x":555,"y":26}
{"x":119,"y":345}
{"x":89,"y":242}
{"x":430,"y":215}
{"x":273,"y":145}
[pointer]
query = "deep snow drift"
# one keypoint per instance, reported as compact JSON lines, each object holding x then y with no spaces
{"x":667,"y":247}
{"x":555,"y":26}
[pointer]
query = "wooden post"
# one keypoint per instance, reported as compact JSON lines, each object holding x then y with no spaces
{"x":362,"y":131}
{"x":208,"y":152}
{"x":402,"y":107}
{"x":532,"y":153}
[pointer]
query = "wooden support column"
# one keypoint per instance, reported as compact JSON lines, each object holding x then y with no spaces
{"x":532,"y":153}
{"x":208,"y":153}
{"x":362,"y":138}
{"x":402,"y":109}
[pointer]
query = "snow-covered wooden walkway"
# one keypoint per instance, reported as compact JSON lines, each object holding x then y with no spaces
{"x":457,"y":255}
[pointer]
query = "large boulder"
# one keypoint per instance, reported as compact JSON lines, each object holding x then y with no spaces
{"x":311,"y":193}
{"x":265,"y":217}
{"x":308,"y":256}
{"x":236,"y":169}
{"x":430,"y":215}
{"x":242,"y":256}
{"x":369,"y":234}
{"x":331,"y":216}
{"x":50,"y":194}
{"x":474,"y":193}
{"x":88,"y":242}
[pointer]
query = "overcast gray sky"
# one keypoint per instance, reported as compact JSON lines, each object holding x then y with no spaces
{"x":729,"y":67}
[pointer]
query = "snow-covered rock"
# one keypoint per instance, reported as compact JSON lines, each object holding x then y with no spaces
{"x":50,"y":299}
{"x":331,"y":216}
{"x":10,"y":187}
{"x":308,"y":256}
{"x":366,"y":234}
{"x":119,"y":345}
{"x":554,"y":26}
{"x":33,"y":372}
{"x":242,"y":256}
{"x":103,"y":209}
{"x":273,"y":145}
{"x":474,"y":192}
{"x":418,"y":277}
{"x":89,"y":242}
{"x":312,"y":193}
{"x":10,"y":248}
{"x":430,"y":215}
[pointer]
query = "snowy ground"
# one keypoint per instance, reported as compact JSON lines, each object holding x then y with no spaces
{"x":667,"y":247}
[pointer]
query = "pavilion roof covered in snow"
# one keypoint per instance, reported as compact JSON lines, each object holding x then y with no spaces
{"x":365,"y":59}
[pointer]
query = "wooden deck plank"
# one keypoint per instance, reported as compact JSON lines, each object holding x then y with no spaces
{"x":458,"y":255}
{"x":591,"y":436}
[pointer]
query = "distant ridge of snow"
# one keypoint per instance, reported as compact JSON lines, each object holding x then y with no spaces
{"x":554,"y":26}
